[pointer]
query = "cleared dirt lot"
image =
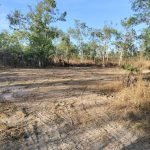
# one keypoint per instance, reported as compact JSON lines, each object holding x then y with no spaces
{"x":63,"y":109}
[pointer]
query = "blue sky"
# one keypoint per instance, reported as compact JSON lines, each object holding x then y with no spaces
{"x":95,"y":13}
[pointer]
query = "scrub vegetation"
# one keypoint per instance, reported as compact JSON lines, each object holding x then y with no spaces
{"x":85,"y":88}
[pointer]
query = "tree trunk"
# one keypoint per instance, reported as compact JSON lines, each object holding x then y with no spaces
{"x":120,"y":57}
{"x":39,"y":63}
{"x":107,"y":57}
{"x":68,"y":57}
{"x":103,"y":63}
{"x":81,"y":57}
{"x":81,"y":51}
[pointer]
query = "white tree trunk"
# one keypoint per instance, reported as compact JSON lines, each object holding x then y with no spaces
{"x":107,"y":57}
{"x":39,"y":64}
{"x":120,"y":57}
{"x":103,"y":63}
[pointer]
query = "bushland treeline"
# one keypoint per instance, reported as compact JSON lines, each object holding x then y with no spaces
{"x":34,"y":41}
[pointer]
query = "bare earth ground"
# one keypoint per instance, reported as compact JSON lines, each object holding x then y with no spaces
{"x":62,"y":109}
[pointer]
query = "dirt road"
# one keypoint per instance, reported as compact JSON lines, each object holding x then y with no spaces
{"x":63,"y":109}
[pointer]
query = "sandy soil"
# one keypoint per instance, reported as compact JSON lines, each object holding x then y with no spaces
{"x":63,"y":109}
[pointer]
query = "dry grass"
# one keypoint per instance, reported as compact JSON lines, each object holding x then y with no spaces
{"x":78,"y":61}
{"x":137,"y":94}
{"x":143,"y":64}
{"x":133,"y":104}
{"x":110,"y":87}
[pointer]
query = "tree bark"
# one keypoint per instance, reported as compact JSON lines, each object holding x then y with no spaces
{"x":121,"y":57}
{"x":103,"y":63}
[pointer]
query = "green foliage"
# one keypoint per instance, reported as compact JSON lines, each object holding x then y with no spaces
{"x":34,"y":41}
{"x":142,"y":9}
{"x":89,"y":50}
{"x":36,"y":25}
{"x":146,"y":41}
{"x":79,"y":33}
{"x":125,"y":42}
{"x":66,"y":49}
{"x":130,"y":68}
{"x":10,"y":43}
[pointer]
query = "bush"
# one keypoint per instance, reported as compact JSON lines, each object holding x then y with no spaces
{"x":130,"y":68}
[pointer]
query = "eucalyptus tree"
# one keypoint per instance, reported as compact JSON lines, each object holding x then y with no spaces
{"x":107,"y":34}
{"x":142,"y":12}
{"x":10,"y":42}
{"x":104,"y":39}
{"x":141,"y":16}
{"x":79,"y":33}
{"x":130,"y":38}
{"x":142,"y":9}
{"x":10,"y":49}
{"x":120,"y":46}
{"x":65,"y":47}
{"x":93,"y":44}
{"x":125,"y":41}
{"x":97,"y":35}
{"x":145,"y":39}
{"x":67,"y":44}
{"x":36,"y":28}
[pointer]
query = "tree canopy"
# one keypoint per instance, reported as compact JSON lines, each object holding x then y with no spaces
{"x":34,"y":41}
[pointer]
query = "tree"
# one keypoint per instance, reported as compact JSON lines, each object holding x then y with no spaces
{"x":65,"y":47}
{"x":94,"y":34}
{"x":79,"y":33}
{"x":142,"y":9}
{"x":125,"y":42}
{"x":10,"y":49}
{"x":142,"y":15}
{"x":120,"y":45}
{"x":107,"y":34}
{"x":145,"y":37}
{"x":97,"y":37}
{"x":37,"y":30}
{"x":130,"y":37}
{"x":103,"y":38}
